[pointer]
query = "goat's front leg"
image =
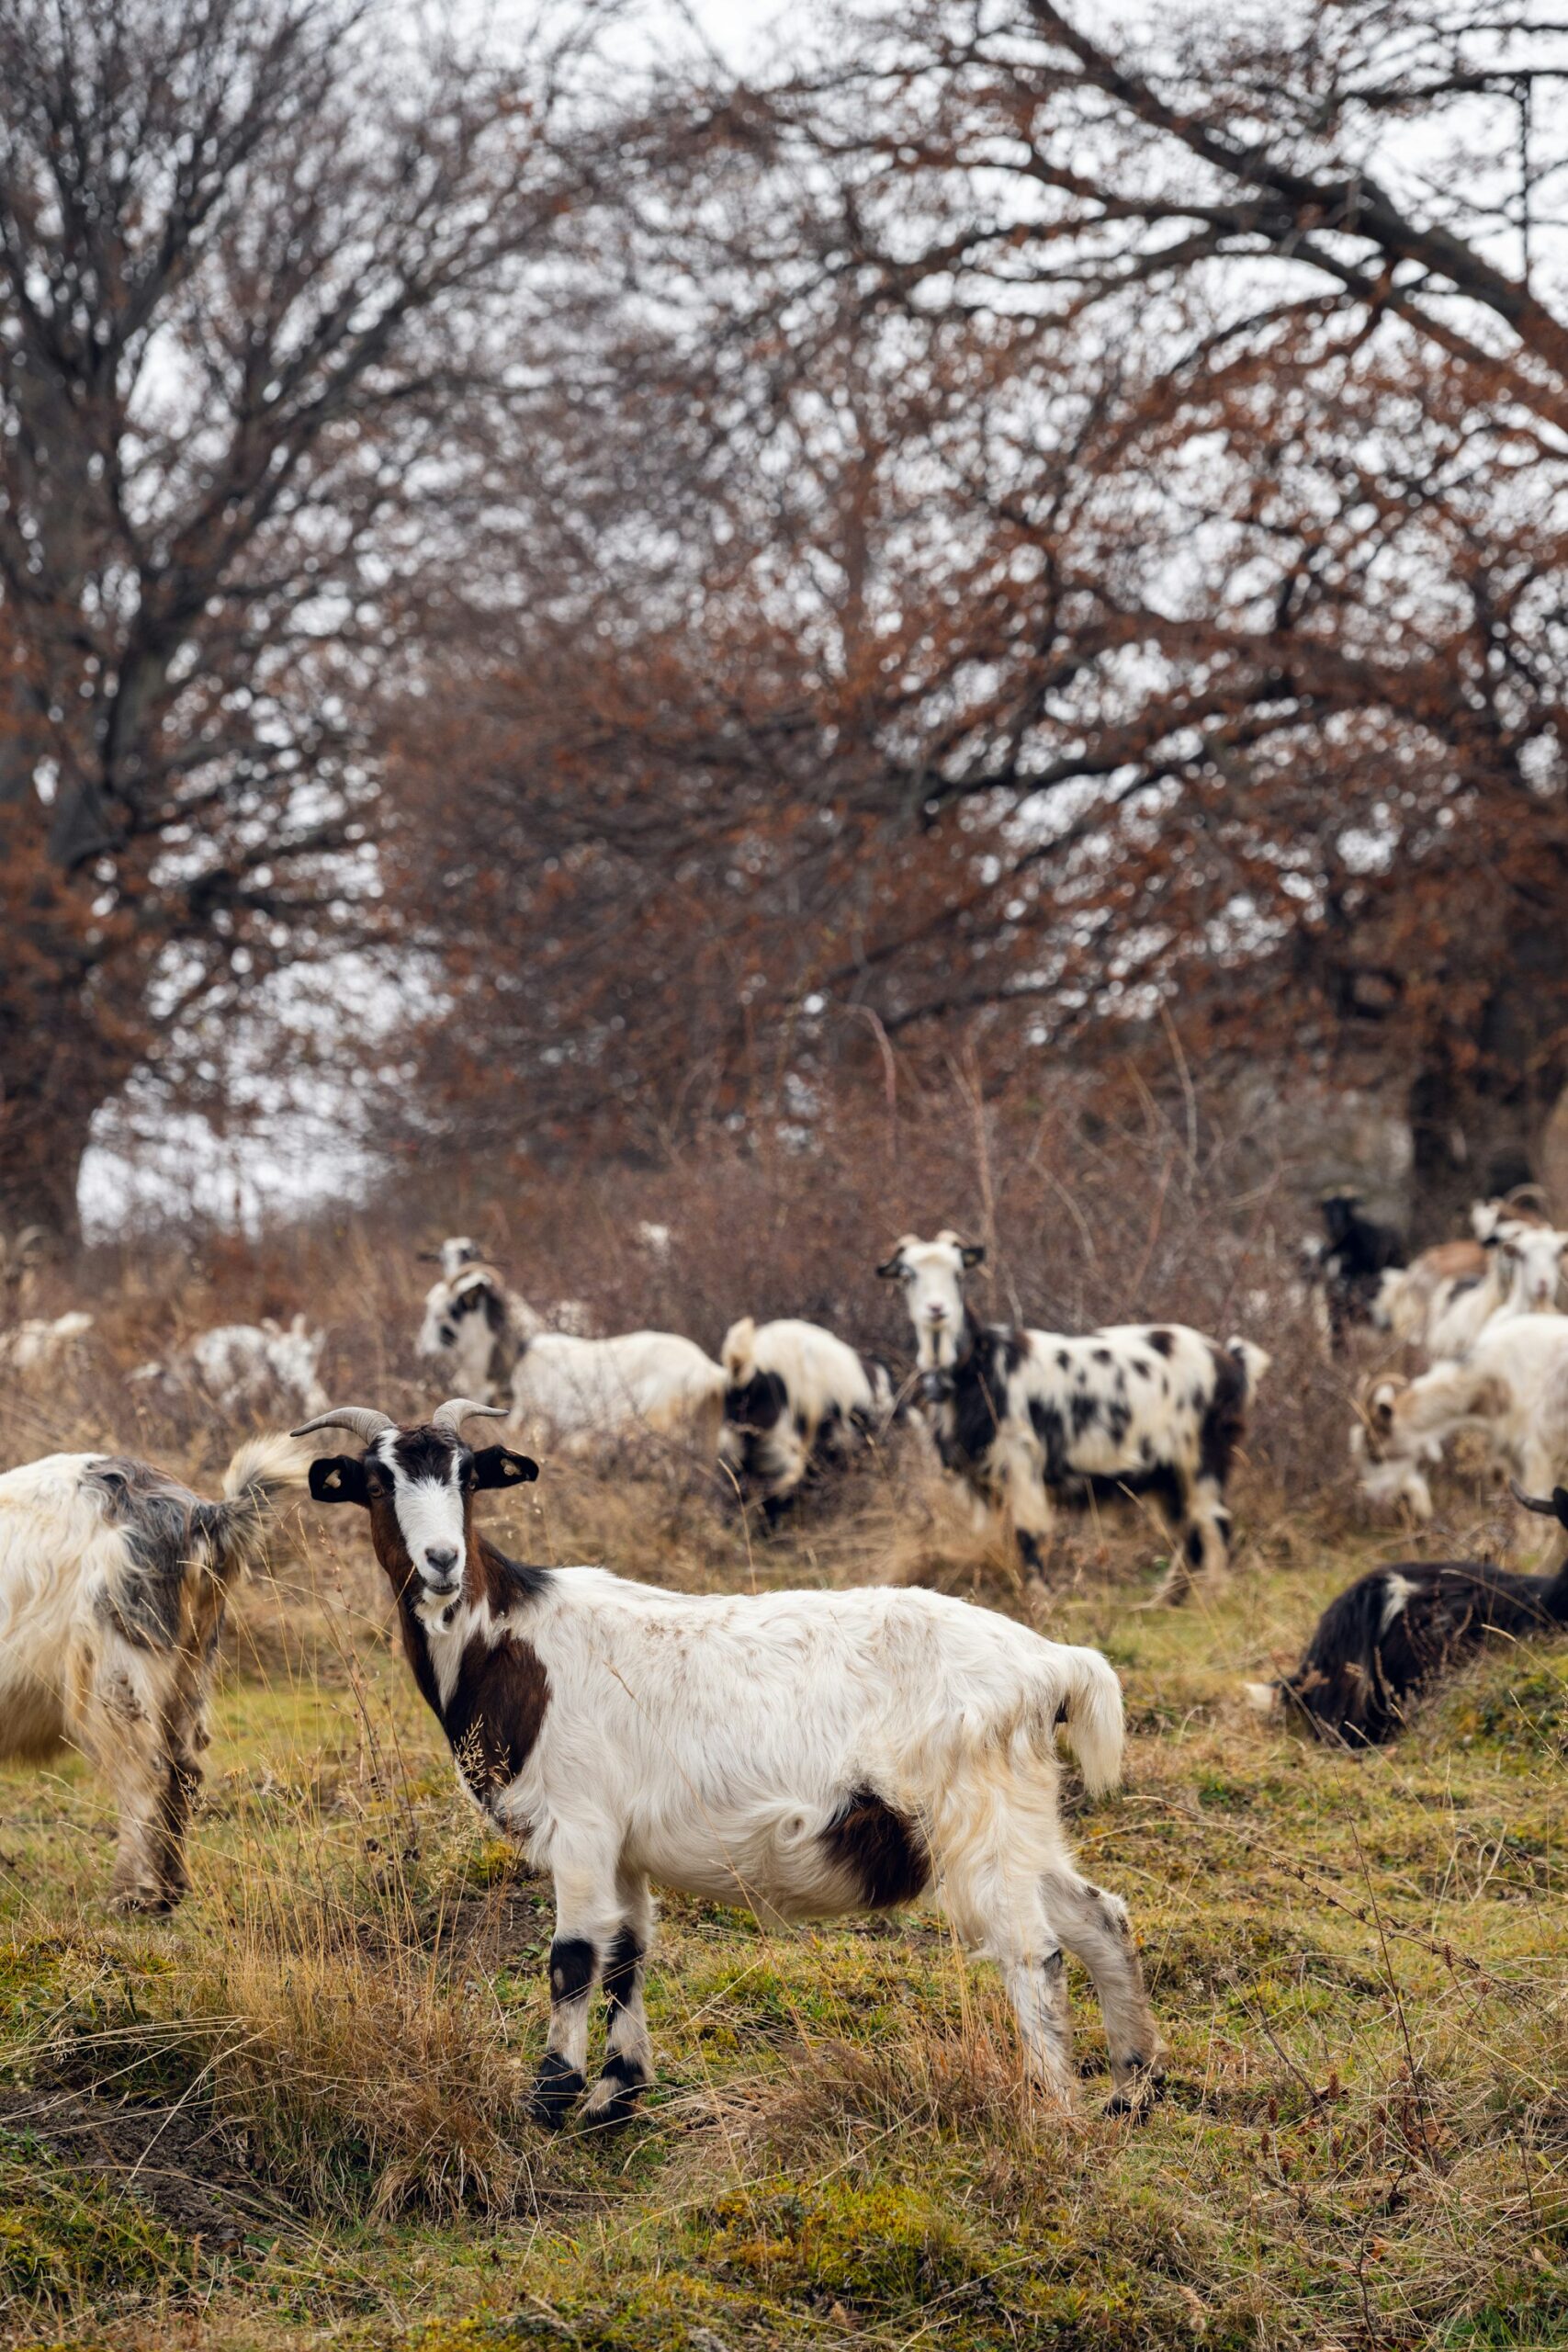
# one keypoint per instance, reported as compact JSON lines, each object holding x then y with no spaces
{"x":1095,"y":1925}
{"x":628,"y":2054}
{"x":1000,"y":1917}
{"x":1015,"y":1467}
{"x":587,"y":1913}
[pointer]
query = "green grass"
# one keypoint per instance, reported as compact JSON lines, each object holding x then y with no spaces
{"x":288,"y":2116}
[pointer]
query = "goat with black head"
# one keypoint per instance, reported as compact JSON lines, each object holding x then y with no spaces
{"x":804,"y":1753}
{"x":1381,"y":1642}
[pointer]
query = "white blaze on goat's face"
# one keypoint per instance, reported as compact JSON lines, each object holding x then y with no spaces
{"x":933,"y":1276}
{"x":1534,"y":1257}
{"x":425,"y":1476}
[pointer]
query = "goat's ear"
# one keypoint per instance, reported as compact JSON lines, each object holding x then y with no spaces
{"x":973,"y":1254}
{"x":891,"y":1268}
{"x":497,"y":1465}
{"x":339,"y":1478}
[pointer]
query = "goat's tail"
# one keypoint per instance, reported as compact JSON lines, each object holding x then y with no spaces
{"x":1091,"y":1717}
{"x":263,"y":1468}
{"x":1254,"y":1361}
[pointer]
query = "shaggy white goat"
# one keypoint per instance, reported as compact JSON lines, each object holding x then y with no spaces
{"x":37,"y":1344}
{"x":247,"y":1367}
{"x":113,"y":1579}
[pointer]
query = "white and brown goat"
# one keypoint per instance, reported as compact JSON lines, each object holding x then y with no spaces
{"x":113,"y":1582}
{"x":804,"y":1754}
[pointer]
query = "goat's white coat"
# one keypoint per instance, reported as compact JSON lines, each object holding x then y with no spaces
{"x":579,"y":1390}
{"x":38,"y":1342}
{"x":1511,"y":1385}
{"x":707,"y":1739}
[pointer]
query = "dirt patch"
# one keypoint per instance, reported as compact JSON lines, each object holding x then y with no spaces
{"x":174,"y":2159}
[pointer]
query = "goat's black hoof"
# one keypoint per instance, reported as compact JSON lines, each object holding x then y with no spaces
{"x":1137,"y":2091}
{"x":617,"y":2112}
{"x":555,"y":2091}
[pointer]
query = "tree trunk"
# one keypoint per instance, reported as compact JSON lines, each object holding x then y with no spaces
{"x":61,"y":1058}
{"x":1479,"y":1129}
{"x":41,"y":1149}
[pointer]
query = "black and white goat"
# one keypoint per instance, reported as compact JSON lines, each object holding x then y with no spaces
{"x":799,"y":1400}
{"x":804,"y":1754}
{"x":113,"y":1582}
{"x":1381,"y":1642}
{"x":1034,"y":1419}
{"x":476,"y":1328}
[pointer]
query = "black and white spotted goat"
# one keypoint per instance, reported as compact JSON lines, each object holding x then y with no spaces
{"x":113,"y":1583}
{"x":1384,"y":1639}
{"x":801,"y":1753}
{"x":799,"y":1401}
{"x":1034,"y":1419}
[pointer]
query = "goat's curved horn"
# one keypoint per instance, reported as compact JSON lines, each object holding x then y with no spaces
{"x":1532,"y":1502}
{"x":449,"y":1418}
{"x":33,"y":1237}
{"x":363,"y":1420}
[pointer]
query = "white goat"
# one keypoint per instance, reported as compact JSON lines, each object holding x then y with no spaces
{"x":247,"y":1367}
{"x":1033,"y":1418}
{"x":113,"y":1580}
{"x":798,"y":1398}
{"x":38,"y":1345}
{"x":1511,"y":1385}
{"x":580,"y":1392}
{"x":1523,"y":1267}
{"x":802,"y":1753}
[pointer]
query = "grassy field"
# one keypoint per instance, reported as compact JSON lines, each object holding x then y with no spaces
{"x":288,"y":2116}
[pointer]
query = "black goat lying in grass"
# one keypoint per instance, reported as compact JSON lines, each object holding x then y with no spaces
{"x":1386,"y":1635}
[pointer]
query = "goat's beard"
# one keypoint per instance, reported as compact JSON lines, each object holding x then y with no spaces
{"x":936,"y":1346}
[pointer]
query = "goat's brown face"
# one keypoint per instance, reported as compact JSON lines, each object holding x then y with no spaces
{"x":418,"y":1485}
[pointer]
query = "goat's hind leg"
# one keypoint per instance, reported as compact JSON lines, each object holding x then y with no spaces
{"x":1200,"y":1528}
{"x":628,"y":2054}
{"x":1095,"y":1925}
{"x":119,"y":1728}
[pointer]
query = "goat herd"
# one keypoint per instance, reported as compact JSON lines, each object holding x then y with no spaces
{"x":804,"y":1753}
